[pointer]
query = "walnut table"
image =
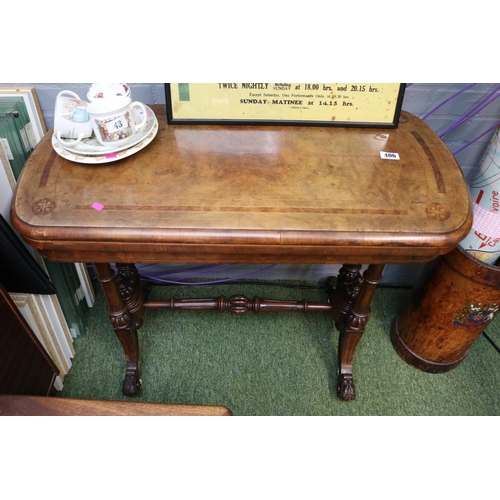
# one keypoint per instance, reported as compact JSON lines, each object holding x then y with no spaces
{"x":249,"y":194}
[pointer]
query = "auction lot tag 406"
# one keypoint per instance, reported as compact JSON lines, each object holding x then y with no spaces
{"x":389,"y":156}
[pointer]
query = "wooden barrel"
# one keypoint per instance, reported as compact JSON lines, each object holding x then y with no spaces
{"x":455,"y":299}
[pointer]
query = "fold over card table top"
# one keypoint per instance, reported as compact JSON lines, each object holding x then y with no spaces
{"x":252,"y":194}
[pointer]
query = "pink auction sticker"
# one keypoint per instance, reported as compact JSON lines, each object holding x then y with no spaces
{"x":97,"y":206}
{"x":111,"y":155}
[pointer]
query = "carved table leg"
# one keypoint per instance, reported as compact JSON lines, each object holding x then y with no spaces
{"x":123,"y":323}
{"x":353,"y":328}
{"x":131,"y":292}
{"x":343,"y":291}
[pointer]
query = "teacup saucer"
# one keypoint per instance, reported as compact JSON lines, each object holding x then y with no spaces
{"x":107,"y":155}
{"x":91,"y":146}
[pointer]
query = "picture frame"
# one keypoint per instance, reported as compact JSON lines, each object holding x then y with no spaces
{"x":28,"y":94}
{"x":301,"y":104}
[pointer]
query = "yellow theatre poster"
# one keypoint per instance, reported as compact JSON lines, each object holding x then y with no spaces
{"x":343,"y":104}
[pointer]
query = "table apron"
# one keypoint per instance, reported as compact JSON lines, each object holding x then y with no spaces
{"x":235,"y":254}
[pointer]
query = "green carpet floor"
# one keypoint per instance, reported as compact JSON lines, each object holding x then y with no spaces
{"x":277,"y":363}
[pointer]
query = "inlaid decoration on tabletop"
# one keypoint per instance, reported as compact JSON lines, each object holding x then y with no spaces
{"x":43,"y":206}
{"x":437,"y":211}
{"x":432,"y":161}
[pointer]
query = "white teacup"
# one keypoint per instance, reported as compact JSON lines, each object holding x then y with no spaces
{"x":71,"y":119}
{"x":113,"y":120}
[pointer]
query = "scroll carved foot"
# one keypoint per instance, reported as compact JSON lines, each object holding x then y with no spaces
{"x":131,"y":385}
{"x":345,"y":388}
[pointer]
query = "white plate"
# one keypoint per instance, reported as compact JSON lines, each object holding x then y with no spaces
{"x":91,"y":146}
{"x":109,"y":155}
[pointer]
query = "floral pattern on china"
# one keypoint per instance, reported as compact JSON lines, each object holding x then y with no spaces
{"x":103,"y":90}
